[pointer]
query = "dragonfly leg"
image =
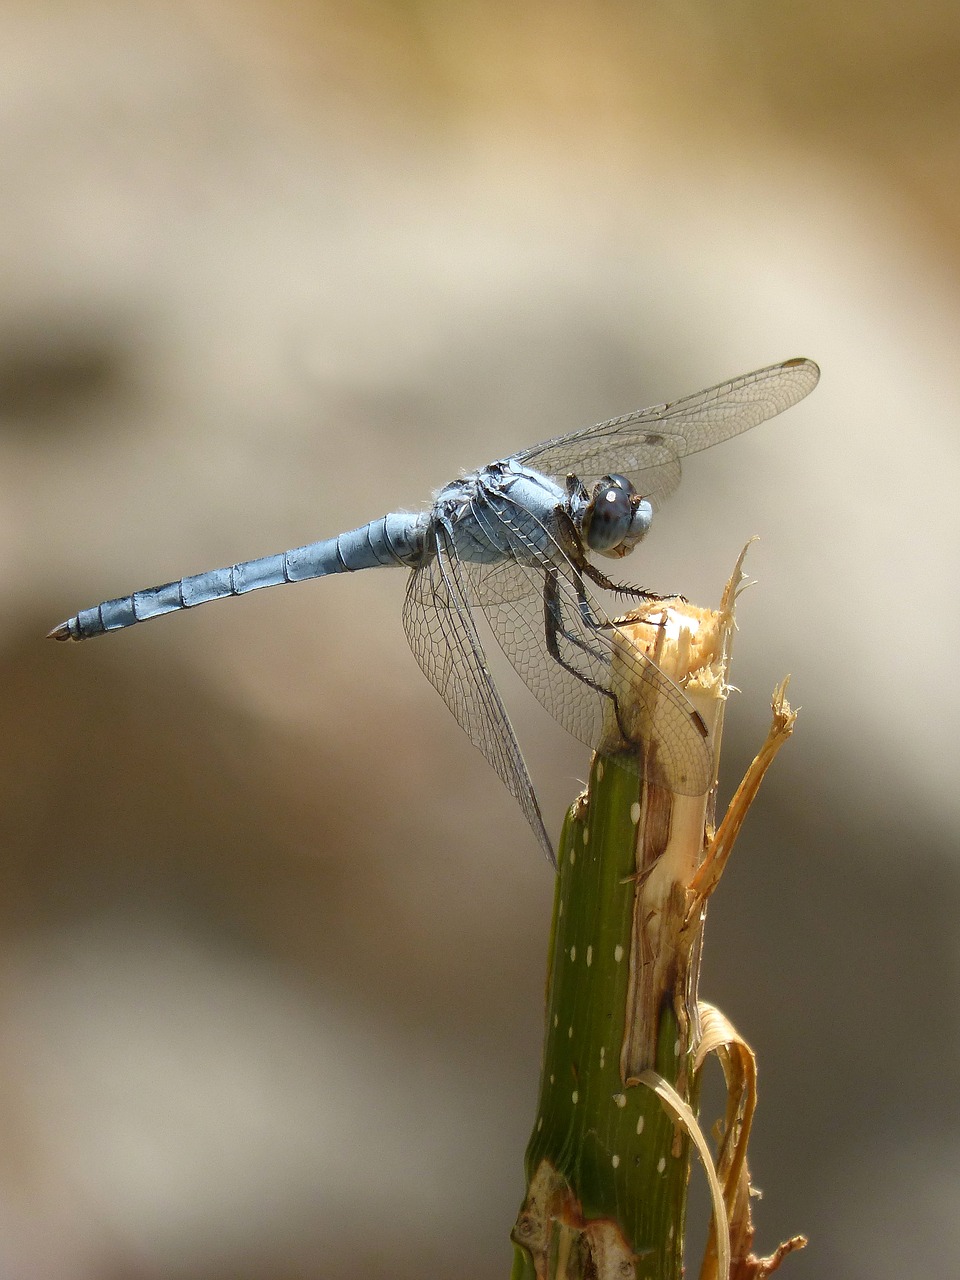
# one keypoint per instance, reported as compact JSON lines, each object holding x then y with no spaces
{"x":554,"y":627}
{"x":576,"y":488}
{"x":622,"y":588}
{"x":553,"y":612}
{"x":586,"y":611}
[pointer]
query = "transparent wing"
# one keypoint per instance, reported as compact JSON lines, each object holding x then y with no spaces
{"x":444,"y":639}
{"x":573,"y":682}
{"x":647,"y":445}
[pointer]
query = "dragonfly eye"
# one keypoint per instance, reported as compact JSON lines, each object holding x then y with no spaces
{"x":616,"y":518}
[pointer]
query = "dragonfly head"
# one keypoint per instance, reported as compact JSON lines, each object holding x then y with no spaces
{"x":616,"y":517}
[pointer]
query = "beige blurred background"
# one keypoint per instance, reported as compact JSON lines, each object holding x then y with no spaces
{"x":272,"y":955}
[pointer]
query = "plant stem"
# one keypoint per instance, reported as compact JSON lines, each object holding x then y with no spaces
{"x":607,"y":1166}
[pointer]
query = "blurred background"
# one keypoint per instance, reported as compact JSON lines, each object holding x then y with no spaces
{"x":273,"y":935}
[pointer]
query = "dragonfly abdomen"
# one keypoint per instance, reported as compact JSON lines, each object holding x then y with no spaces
{"x":396,"y":539}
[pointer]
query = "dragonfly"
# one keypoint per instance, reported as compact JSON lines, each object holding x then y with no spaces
{"x":512,"y":542}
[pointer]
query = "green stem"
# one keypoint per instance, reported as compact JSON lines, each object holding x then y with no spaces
{"x":603,"y":1152}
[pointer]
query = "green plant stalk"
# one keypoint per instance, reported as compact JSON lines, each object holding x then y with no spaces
{"x":607,"y":1168}
{"x":614,"y":1146}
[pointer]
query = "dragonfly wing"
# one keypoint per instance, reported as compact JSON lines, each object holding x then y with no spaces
{"x":444,"y":639}
{"x":647,"y":445}
{"x":573,"y":683}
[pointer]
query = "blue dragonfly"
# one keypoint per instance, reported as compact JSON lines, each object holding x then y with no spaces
{"x":513,"y":541}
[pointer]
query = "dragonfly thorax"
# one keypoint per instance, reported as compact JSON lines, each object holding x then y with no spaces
{"x":615,"y":518}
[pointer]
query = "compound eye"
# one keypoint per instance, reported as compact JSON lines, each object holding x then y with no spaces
{"x":609,"y":513}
